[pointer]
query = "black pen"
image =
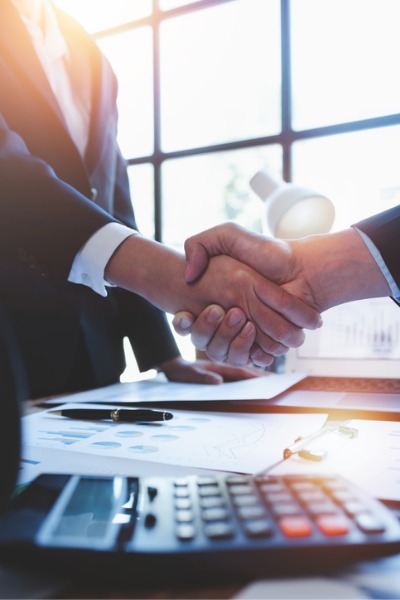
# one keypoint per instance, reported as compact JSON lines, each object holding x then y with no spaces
{"x":118,"y":415}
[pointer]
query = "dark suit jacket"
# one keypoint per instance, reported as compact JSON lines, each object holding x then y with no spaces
{"x":384,"y":231}
{"x":48,"y":210}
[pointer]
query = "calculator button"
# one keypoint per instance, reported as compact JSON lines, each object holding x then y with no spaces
{"x":250,"y":512}
{"x":259,"y":528}
{"x":295,"y":527}
{"x":152,"y":492}
{"x":314,"y":496}
{"x":249,"y":500}
{"x":209,"y":490}
{"x":343,"y":496}
{"x":240,"y":490}
{"x":369,"y":524}
{"x":321,"y":508}
{"x":265,"y":479}
{"x":215,"y":514}
{"x":271,"y":488}
{"x":236,"y":480}
{"x":212,"y":502}
{"x":334,"y":486}
{"x":181,"y":492}
{"x":181,"y":482}
{"x":205,"y":480}
{"x":285,"y":509}
{"x":183,"y":503}
{"x":354,"y":508}
{"x":185,"y":532}
{"x":303,"y":486}
{"x":329,"y":480}
{"x":332,"y":525}
{"x":183,"y":516}
{"x":149,"y":521}
{"x":219,"y":531}
{"x":278,"y":498}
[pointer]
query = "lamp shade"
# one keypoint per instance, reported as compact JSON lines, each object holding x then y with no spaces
{"x":291,"y":211}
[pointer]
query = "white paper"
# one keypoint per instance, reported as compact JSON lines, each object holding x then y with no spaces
{"x":36,"y":460}
{"x":159,"y":389}
{"x":245,"y":443}
{"x":358,"y":339}
{"x":371,"y":460}
{"x":368,"y":329}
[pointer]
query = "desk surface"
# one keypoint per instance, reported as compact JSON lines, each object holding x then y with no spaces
{"x":349,"y":384}
{"x":374,"y":579}
{"x":160,"y":593}
{"x":89,"y":590}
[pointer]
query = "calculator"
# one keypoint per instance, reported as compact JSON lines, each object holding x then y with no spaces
{"x":213,"y":527}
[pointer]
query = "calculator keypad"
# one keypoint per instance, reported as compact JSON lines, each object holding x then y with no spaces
{"x":282,"y":508}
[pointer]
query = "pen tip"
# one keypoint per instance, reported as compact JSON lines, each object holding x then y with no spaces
{"x":55,"y":412}
{"x":168,"y":416}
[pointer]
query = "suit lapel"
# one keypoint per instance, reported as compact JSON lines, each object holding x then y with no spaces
{"x":87,"y":64}
{"x":89,"y":73}
{"x":101,"y":112}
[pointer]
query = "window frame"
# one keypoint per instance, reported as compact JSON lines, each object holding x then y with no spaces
{"x":287,"y":136}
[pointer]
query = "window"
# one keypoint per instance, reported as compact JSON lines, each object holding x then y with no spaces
{"x":220,"y":75}
{"x":210,"y":91}
{"x":344,"y":56}
{"x":346,"y":103}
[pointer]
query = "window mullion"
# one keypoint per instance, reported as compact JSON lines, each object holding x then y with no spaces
{"x":286,"y":91}
{"x":157,"y":159}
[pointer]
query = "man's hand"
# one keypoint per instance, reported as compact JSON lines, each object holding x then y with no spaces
{"x":246,"y":246}
{"x":157,"y":273}
{"x":234,"y":341}
{"x":206,"y":371}
{"x":323,"y":271}
{"x":230,"y":336}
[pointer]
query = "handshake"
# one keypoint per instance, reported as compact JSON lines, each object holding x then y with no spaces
{"x":294,"y":282}
{"x":246,"y":298}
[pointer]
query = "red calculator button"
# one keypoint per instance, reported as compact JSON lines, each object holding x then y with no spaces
{"x":332,"y":525}
{"x":295,"y":526}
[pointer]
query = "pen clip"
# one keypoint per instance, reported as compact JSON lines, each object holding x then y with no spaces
{"x":115,"y":415}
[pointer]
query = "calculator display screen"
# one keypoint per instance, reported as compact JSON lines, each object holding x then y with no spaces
{"x":90,"y":511}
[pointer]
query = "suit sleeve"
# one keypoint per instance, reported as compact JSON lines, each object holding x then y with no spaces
{"x":47,"y":220}
{"x":41,"y":215}
{"x":383,"y":230}
{"x":145,"y":325}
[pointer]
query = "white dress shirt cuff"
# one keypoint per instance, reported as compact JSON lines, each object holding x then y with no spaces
{"x":91,"y":260}
{"x":395,"y":290}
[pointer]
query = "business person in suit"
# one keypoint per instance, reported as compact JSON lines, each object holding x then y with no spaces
{"x":362,"y":261}
{"x":68,"y":236}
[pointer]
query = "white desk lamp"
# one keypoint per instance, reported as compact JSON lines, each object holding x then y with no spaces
{"x":291,"y":211}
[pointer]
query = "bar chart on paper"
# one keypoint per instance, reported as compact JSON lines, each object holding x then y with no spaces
{"x":363,"y":330}
{"x":237,"y":442}
{"x":358,"y":339}
{"x":55,"y":437}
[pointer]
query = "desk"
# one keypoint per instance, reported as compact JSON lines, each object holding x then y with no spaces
{"x":348,"y":384}
{"x":386,"y":571}
{"x":377,"y":579}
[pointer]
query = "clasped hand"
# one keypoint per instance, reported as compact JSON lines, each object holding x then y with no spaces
{"x":253,"y":331}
